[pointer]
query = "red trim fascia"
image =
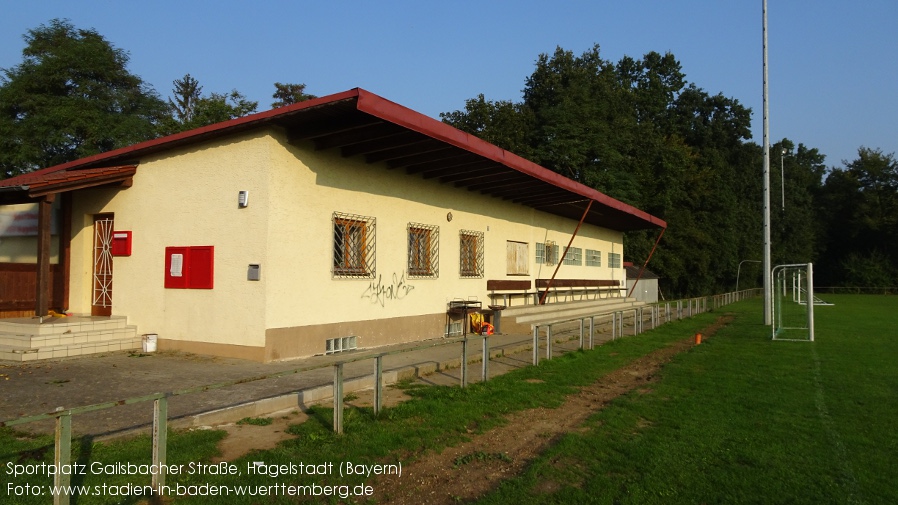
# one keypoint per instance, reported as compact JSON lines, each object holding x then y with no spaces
{"x":390,"y":111}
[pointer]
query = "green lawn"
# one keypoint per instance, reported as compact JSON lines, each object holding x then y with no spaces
{"x":742,"y":419}
{"x":739,"y":419}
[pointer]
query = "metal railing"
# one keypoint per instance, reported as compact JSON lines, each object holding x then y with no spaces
{"x":634,"y":318}
{"x":618,"y":321}
{"x":857,"y":290}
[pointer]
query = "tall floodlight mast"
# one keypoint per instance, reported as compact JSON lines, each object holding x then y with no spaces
{"x":768,"y":285}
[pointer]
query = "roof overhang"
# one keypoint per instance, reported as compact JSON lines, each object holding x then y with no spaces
{"x":30,"y":189}
{"x":360,"y":123}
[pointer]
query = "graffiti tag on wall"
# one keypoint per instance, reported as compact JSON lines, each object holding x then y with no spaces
{"x":379,"y":292}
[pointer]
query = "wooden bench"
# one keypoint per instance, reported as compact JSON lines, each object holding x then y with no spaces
{"x":502,"y":291}
{"x":580,"y":287}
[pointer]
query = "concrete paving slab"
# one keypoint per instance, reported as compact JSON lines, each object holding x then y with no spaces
{"x":35,"y":388}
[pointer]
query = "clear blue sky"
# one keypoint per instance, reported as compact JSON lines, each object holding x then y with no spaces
{"x":833,"y":65}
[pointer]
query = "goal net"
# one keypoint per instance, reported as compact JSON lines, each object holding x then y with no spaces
{"x":793,"y":315}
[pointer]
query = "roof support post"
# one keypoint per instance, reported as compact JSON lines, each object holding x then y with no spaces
{"x":641,"y":270}
{"x":45,"y":208}
{"x":542,"y":299}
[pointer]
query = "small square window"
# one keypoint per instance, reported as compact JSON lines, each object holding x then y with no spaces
{"x":546,"y":253}
{"x":613,"y":260}
{"x":593,"y":258}
{"x":573,"y":256}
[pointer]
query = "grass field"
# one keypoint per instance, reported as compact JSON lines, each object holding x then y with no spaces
{"x":739,"y":419}
{"x":743,"y":419}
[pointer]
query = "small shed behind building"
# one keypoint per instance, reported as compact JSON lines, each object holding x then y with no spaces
{"x":647,"y":289}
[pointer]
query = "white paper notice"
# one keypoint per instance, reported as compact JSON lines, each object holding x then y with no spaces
{"x":177,"y":263}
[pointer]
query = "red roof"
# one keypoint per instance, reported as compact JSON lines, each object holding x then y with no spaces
{"x":360,"y":123}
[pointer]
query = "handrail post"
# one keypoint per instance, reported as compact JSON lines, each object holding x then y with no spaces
{"x":160,"y":441}
{"x":63,"y":456}
{"x":582,"y":328}
{"x":338,"y":398}
{"x":485,"y":372}
{"x":592,"y":332}
{"x":464,"y":363}
{"x":549,"y":342}
{"x":378,"y":384}
{"x":535,"y":345}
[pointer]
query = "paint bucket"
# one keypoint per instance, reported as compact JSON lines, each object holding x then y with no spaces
{"x":149,"y":342}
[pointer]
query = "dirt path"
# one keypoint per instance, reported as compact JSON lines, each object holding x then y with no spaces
{"x":505,"y":451}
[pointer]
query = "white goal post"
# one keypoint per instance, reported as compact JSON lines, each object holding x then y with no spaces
{"x":793,"y":302}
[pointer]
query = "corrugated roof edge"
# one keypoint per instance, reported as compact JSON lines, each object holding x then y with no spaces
{"x":374,"y":105}
{"x":408,"y":118}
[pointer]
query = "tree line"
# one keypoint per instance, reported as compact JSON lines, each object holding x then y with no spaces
{"x":72,"y":96}
{"x":638,"y":131}
{"x":634,"y":129}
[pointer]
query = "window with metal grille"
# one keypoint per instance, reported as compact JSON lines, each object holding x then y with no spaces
{"x":546,"y":253}
{"x":353,"y":246}
{"x":423,"y":250}
{"x":470,"y":253}
{"x":573,"y":256}
{"x":613,"y":260}
{"x":593,"y":258}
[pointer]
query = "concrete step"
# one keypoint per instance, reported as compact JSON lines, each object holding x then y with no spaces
{"x":59,"y":325}
{"x":554,"y":307}
{"x":573,"y":313}
{"x":68,"y":338}
{"x":12,"y":353}
{"x":593,"y":306}
{"x":27,"y":339}
{"x":520,"y":319}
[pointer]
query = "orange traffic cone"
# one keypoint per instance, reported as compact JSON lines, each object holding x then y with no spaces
{"x":698,"y":338}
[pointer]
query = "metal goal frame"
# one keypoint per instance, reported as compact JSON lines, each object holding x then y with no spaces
{"x":793,"y":284}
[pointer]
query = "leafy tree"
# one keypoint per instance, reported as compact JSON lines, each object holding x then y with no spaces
{"x":859,"y":209}
{"x":219,"y":107}
{"x":288,"y":94}
{"x":793,"y":213}
{"x":638,"y":131}
{"x":503,"y":123}
{"x":189,"y":109}
{"x":72,"y":96}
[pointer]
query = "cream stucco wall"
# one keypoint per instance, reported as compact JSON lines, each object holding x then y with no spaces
{"x":309,"y":186}
{"x":188,"y":197}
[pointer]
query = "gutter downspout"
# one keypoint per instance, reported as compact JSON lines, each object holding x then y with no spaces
{"x":641,"y":270}
{"x":542,"y":299}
